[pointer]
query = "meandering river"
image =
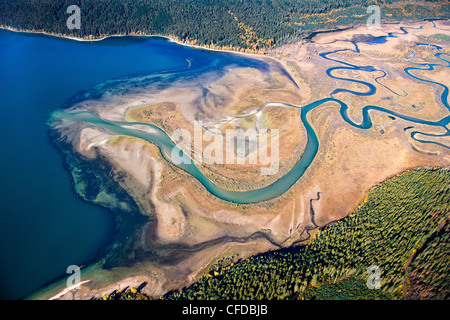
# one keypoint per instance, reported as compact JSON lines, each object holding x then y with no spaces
{"x":279,"y":187}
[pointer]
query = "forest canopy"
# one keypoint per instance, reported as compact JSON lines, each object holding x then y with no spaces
{"x":252,"y":24}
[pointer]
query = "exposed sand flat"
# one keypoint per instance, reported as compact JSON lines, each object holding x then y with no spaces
{"x":193,"y":228}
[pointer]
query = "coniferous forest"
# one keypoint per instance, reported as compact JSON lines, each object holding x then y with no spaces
{"x":399,"y":234}
{"x":235,"y":24}
{"x":401,"y":230}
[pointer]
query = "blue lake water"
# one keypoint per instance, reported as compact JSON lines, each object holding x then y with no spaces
{"x":44,"y":227}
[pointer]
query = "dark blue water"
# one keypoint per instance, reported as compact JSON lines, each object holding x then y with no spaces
{"x":44,"y":227}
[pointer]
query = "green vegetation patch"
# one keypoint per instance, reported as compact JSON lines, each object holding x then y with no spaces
{"x":347,"y":289}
